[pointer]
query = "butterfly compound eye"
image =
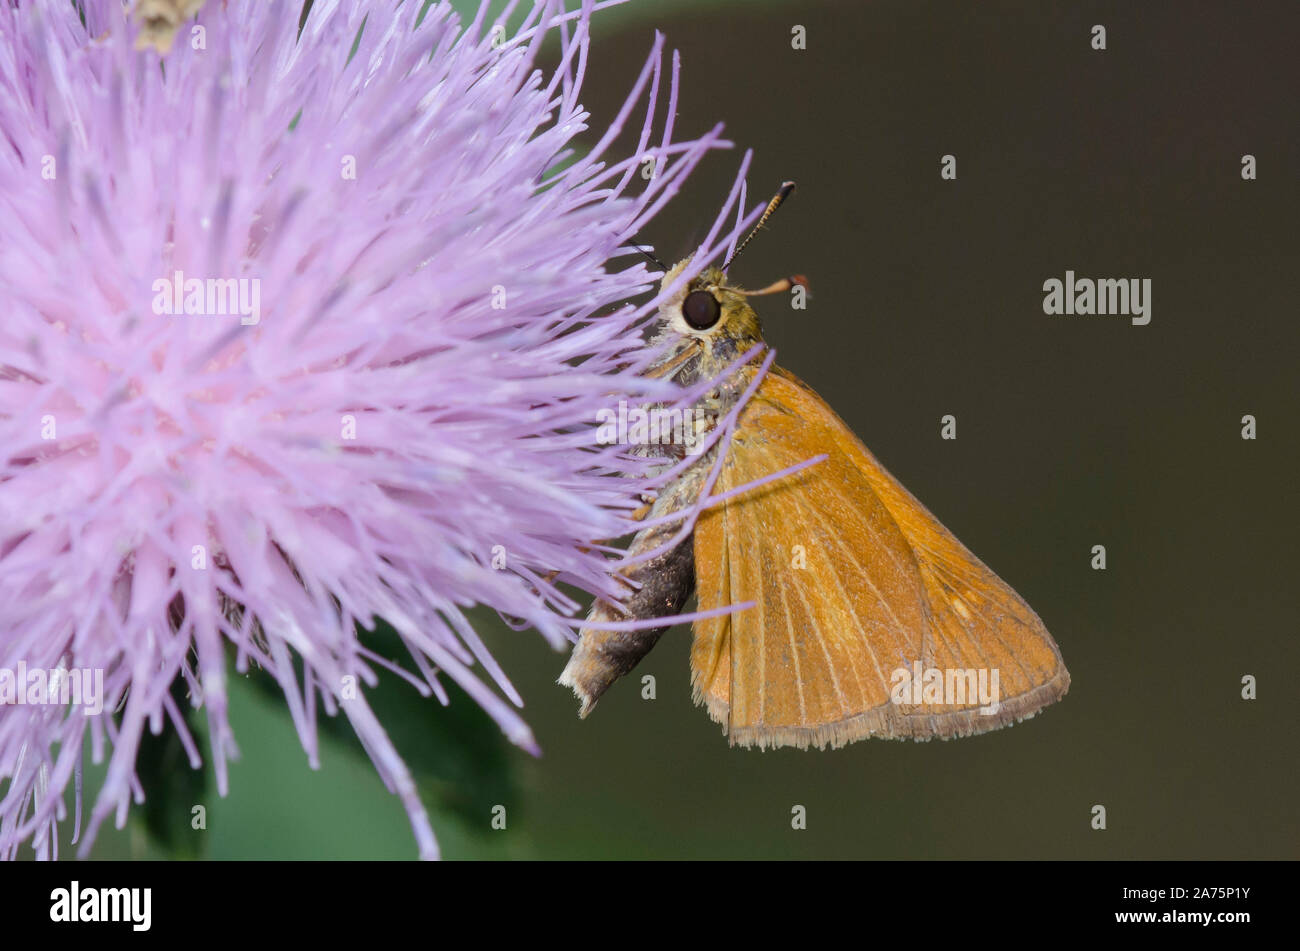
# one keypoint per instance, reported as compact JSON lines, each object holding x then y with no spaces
{"x":701,"y":309}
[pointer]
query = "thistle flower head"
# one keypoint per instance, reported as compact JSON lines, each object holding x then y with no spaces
{"x":294,"y":338}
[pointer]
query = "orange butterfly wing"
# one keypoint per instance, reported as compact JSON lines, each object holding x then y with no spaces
{"x":854,"y":582}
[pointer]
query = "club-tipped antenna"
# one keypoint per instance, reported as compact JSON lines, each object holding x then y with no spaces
{"x":773,"y":205}
{"x":779,"y":287}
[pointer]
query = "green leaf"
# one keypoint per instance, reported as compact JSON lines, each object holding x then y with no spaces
{"x":172,"y":787}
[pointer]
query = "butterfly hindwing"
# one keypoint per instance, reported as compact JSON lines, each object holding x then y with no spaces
{"x":853,"y":581}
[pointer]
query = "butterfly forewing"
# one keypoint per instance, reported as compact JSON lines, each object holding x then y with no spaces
{"x":853,"y":581}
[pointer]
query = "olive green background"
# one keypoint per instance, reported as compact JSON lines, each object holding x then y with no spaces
{"x":1072,"y":432}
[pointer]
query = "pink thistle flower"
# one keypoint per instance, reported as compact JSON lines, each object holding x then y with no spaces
{"x":292,"y":342}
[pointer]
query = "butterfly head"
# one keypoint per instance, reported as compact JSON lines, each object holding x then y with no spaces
{"x":709,"y":307}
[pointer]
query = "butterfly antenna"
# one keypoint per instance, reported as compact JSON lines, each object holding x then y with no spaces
{"x":780,"y":287}
{"x":653,"y":260}
{"x":773,"y":205}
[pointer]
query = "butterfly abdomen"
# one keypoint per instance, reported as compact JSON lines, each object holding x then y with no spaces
{"x":660,"y":588}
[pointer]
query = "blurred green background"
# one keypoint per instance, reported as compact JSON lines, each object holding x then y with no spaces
{"x":1072,"y":432}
